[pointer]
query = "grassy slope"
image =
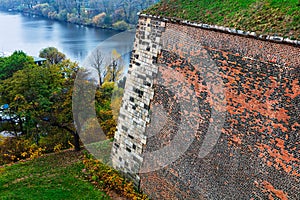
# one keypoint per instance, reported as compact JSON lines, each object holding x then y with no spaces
{"x":272,"y":17}
{"x":55,"y":176}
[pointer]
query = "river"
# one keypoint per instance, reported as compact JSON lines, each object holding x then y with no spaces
{"x":33,"y":33}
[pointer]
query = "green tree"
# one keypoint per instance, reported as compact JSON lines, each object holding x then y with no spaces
{"x":42,"y":99}
{"x":121,"y":25}
{"x":61,"y":115}
{"x":41,"y":96}
{"x":108,"y":99}
{"x":104,"y":112}
{"x":17,"y":61}
{"x":28,"y":93}
{"x":52,"y":55}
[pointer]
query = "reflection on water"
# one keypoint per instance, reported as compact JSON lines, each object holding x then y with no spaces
{"x":31,"y":34}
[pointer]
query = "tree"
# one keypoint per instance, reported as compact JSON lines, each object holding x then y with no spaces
{"x":52,"y":55}
{"x":42,"y":100}
{"x":61,"y":114}
{"x":84,"y":112}
{"x":42,"y":97}
{"x":121,"y":25}
{"x":108,"y":102}
{"x":115,"y":69}
{"x":97,"y":64}
{"x":28,"y":93}
{"x":17,"y":61}
{"x":99,"y":19}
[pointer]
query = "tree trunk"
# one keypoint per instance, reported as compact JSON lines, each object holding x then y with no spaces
{"x":21,"y":125}
{"x":74,"y":133}
{"x":76,"y":141}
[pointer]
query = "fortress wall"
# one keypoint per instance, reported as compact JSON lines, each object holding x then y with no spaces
{"x":130,"y":137}
{"x":218,"y":119}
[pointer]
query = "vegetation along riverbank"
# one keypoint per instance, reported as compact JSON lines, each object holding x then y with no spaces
{"x":118,"y":15}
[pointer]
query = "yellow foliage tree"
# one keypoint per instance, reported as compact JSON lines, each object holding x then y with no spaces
{"x":115,"y":68}
{"x":99,"y":19}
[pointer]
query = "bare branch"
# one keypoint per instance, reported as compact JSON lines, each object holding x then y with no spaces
{"x":97,"y":64}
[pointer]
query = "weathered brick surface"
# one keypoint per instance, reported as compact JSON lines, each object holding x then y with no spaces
{"x":254,"y":86}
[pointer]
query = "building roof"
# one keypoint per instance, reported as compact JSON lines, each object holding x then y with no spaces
{"x":38,"y":59}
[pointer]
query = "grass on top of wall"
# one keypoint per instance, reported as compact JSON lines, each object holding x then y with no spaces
{"x":272,"y":17}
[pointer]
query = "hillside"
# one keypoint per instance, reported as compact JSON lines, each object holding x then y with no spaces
{"x":53,"y":176}
{"x":271,"y":17}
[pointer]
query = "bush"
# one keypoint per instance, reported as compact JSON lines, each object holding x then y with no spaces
{"x":108,"y":178}
{"x":13,"y":149}
{"x":56,"y":142}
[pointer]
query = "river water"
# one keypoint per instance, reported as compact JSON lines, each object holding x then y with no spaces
{"x":33,"y":33}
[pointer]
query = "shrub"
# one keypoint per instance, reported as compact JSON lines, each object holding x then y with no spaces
{"x":13,"y":149}
{"x":108,"y":178}
{"x":56,"y":142}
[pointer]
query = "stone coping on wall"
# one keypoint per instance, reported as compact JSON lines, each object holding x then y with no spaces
{"x":252,"y":34}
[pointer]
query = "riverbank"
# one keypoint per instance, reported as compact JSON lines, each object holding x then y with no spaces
{"x":113,"y":15}
{"x":79,"y":22}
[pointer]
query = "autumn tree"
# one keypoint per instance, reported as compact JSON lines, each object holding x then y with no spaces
{"x":115,"y":68}
{"x":99,"y":19}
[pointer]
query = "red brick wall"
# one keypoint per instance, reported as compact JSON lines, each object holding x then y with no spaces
{"x":254,"y":86}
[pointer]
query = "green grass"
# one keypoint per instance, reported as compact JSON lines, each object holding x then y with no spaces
{"x":55,"y":176}
{"x":272,"y":17}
